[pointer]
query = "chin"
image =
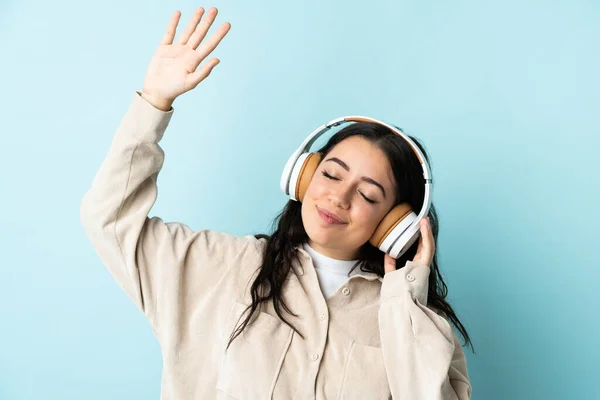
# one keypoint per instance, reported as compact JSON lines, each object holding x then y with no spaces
{"x":322,"y":238}
{"x":315,"y":233}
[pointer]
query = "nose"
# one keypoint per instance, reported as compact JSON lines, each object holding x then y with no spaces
{"x":340,"y":197}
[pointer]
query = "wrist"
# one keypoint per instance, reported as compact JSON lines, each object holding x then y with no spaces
{"x":161,"y":104}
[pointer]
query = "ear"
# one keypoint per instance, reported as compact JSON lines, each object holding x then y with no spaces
{"x":306,"y":174}
{"x":394,"y":217}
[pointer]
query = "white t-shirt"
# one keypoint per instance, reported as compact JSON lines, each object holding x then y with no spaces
{"x":332,"y":273}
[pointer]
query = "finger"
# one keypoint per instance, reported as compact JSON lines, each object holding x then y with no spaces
{"x":200,"y":31}
{"x":191,"y":26}
{"x":171,"y":28}
{"x":420,"y":245}
{"x":431,"y":237}
{"x":209,"y":45}
{"x":427,"y":240}
{"x":199,"y":75}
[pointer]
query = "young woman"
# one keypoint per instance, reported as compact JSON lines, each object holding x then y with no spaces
{"x":288,"y":315}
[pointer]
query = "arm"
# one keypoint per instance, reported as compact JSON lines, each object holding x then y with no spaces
{"x":145,"y":255}
{"x":154,"y":262}
{"x":114,"y":211}
{"x":422,"y":355}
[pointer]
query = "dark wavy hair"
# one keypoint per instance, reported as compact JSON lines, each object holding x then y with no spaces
{"x":280,"y":250}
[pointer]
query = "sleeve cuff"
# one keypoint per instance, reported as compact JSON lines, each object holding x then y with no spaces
{"x":414,"y":278}
{"x":145,"y":122}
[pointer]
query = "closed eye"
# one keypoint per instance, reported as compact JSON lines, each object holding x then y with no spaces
{"x":329,"y":176}
{"x":325,"y":174}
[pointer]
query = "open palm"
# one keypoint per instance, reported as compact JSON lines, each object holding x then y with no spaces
{"x":173,"y":69}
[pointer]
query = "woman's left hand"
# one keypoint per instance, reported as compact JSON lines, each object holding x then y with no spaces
{"x":425,"y":250}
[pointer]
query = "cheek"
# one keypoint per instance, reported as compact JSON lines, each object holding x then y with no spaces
{"x":367,"y":217}
{"x":316,"y":189}
{"x":308,"y":206}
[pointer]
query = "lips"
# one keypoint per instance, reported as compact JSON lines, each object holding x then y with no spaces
{"x":329,"y":216}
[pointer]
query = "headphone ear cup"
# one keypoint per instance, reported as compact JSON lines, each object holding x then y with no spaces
{"x":305,"y":175}
{"x":392,"y":219}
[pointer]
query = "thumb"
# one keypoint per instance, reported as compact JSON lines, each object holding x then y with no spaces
{"x":201,"y":73}
{"x":389,"y":263}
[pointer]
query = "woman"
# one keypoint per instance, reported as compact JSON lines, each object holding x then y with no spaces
{"x":286,"y":316}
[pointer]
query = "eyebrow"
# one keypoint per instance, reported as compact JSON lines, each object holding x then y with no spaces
{"x":364,"y":178}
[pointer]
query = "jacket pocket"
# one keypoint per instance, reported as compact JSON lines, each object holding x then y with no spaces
{"x":364,"y":375}
{"x":251,"y":365}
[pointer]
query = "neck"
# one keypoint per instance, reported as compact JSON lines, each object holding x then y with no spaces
{"x":337,"y":254}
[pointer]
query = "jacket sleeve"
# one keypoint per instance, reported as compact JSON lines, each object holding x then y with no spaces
{"x":151,"y":260}
{"x":422,"y":355}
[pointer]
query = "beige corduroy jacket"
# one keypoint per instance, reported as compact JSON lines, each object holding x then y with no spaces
{"x":374,"y":338}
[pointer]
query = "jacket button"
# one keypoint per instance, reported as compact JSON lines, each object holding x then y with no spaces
{"x":410,"y":277}
{"x":314,"y":357}
{"x":322,"y":316}
{"x":346,"y":291}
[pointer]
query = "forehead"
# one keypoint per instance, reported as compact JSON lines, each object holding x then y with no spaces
{"x":363,"y":158}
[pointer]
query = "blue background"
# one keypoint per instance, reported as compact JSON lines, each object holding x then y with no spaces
{"x":505,"y":96}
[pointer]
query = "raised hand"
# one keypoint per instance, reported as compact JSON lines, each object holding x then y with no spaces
{"x":173,"y":69}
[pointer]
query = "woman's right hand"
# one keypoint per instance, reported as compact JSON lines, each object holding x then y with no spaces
{"x":173,"y":68}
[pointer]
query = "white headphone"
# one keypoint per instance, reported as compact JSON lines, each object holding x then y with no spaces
{"x":399,"y":229}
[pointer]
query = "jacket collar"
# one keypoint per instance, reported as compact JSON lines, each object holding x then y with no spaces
{"x":305,"y":257}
